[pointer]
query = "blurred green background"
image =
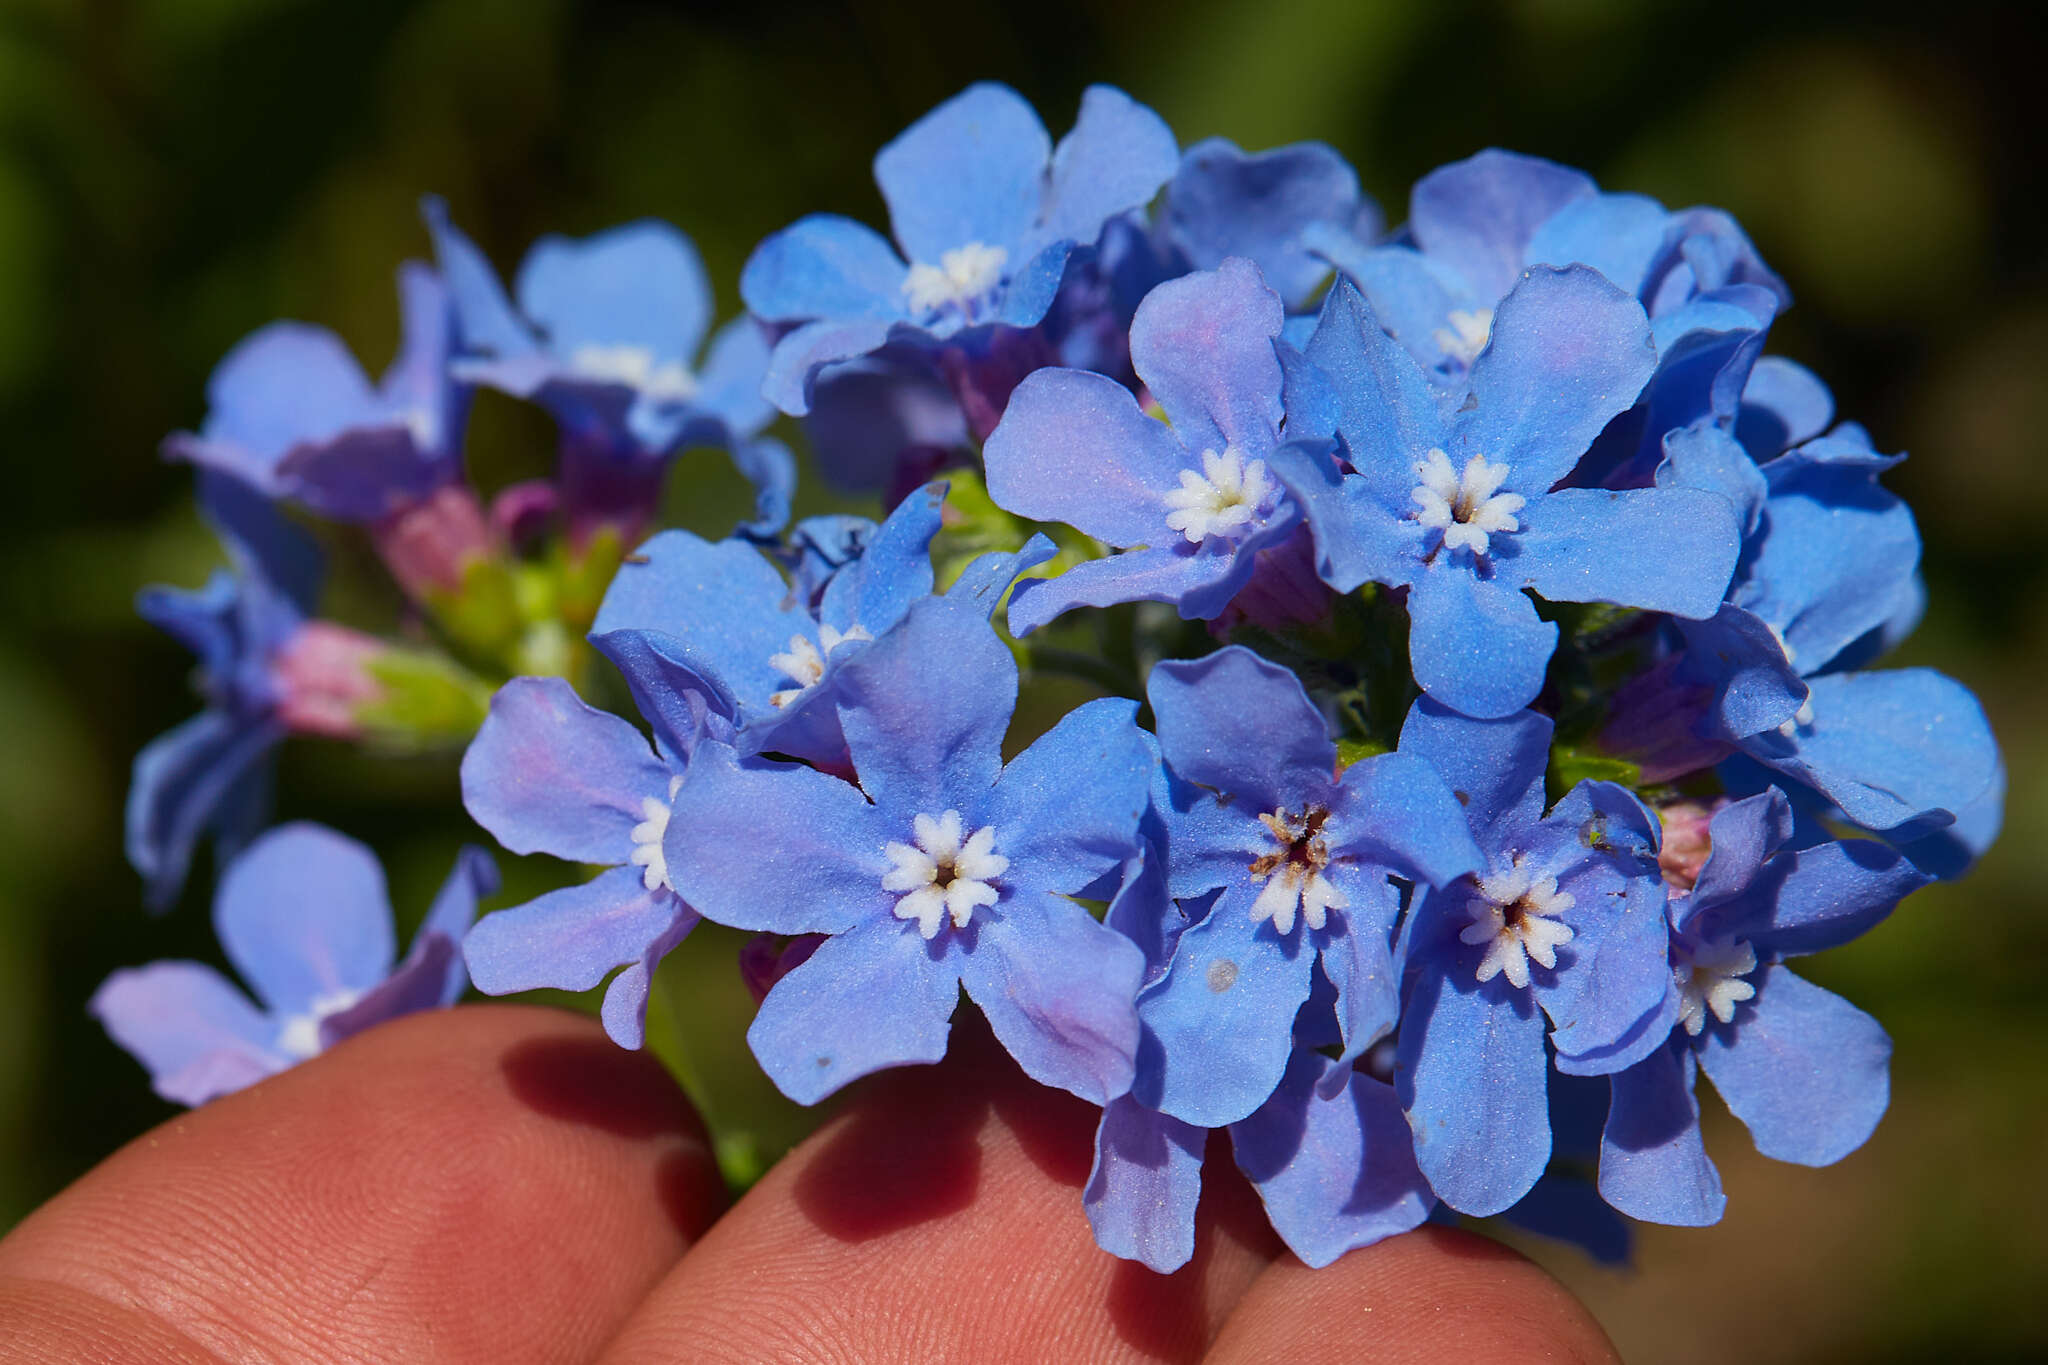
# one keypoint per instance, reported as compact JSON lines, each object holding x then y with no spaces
{"x":174,"y":174}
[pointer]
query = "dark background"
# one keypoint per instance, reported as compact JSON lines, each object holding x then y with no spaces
{"x":172,"y":175}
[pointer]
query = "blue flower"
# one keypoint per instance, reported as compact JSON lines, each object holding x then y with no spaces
{"x":548,"y":774}
{"x":1457,"y":500}
{"x":1804,"y":1069}
{"x":1195,"y":497}
{"x":1273,"y":208}
{"x":605,"y":336}
{"x":1302,"y":858}
{"x":987,"y":213}
{"x":208,"y":774}
{"x":945,"y":867}
{"x":304,"y":917}
{"x":885,"y":423}
{"x":291,"y":413}
{"x":1566,"y":921}
{"x":714,"y":627}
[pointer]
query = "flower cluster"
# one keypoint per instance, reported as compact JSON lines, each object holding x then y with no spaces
{"x":1483,"y":625}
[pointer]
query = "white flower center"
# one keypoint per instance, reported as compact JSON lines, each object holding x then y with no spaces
{"x":804,"y":664}
{"x":1709,"y":980}
{"x":962,"y":278}
{"x":1467,"y":334}
{"x":1467,"y":508}
{"x":634,"y":367}
{"x":1222,"y":499}
{"x":300,"y":1036}
{"x":943,"y":876}
{"x":1293,"y":872}
{"x":1514,"y":915}
{"x":647,"y":837}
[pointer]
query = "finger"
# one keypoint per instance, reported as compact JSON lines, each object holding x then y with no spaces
{"x":487,"y":1183}
{"x":1435,"y":1294}
{"x":938,"y":1217}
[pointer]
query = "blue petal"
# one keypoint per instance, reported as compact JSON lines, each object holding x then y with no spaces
{"x":1476,"y":645}
{"x":474,"y":876}
{"x":183,"y":780}
{"x":206,"y":621}
{"x":1783,"y":405}
{"x":1619,"y":235}
{"x":1360,"y":964}
{"x":1471,"y":1072}
{"x":1057,"y":989}
{"x":1060,"y":835}
{"x":1203,"y":344}
{"x":868,"y":417}
{"x":1808,"y":1072}
{"x":893,"y":570}
{"x":1891,"y":748}
{"x":971,"y":170}
{"x":284,"y":384}
{"x":767,"y":464}
{"x":572,"y":938}
{"x":776,"y":847}
{"x":1478,"y":215}
{"x":1568,"y":352}
{"x":1357,"y":537}
{"x":198,"y":1036}
{"x":875,"y":996}
{"x":798,"y":357}
{"x":1705,"y":456}
{"x":1029,"y":292}
{"x":624,"y":1012}
{"x":1653,"y":1163}
{"x":1233,"y":722}
{"x":1144,"y":1185}
{"x":1183,"y":577}
{"x":416,"y":984}
{"x":1400,"y":813}
{"x":1662,"y":549}
{"x":1755,"y":687}
{"x":1413,"y":296}
{"x":729,"y":384}
{"x":1387,"y":413}
{"x":1572,"y":1211}
{"x":1819,"y":898}
{"x":1115,"y":159}
{"x":926,"y":706}
{"x":1074,"y":447}
{"x":1335,"y":1172}
{"x":1741,"y":836}
{"x":720,"y":609}
{"x":363,"y":474}
{"x":274,"y":558}
{"x":1948,"y":853}
{"x":1224,"y":1014}
{"x":824,"y":266}
{"x":639,"y":285}
{"x":418,"y":385}
{"x":484,"y":316}
{"x":1495,"y":768}
{"x":303,"y":915}
{"x":1227,"y":202}
{"x":548,"y":774}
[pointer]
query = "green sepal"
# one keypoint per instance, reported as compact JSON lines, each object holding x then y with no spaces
{"x":428,"y":701}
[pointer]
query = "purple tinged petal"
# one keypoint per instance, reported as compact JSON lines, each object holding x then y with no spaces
{"x":474,"y":876}
{"x":1494,"y":768}
{"x":417,"y":984}
{"x":775,"y":846}
{"x":624,"y":1012}
{"x":195,"y":1033}
{"x":1471,"y":1072}
{"x":1809,"y":1073}
{"x":1074,"y":447}
{"x":1203,"y":344}
{"x":1057,"y":989}
{"x":1066,"y":810}
{"x":873,"y":997}
{"x":824,"y":266}
{"x":1144,"y":1185}
{"x":1226,"y":202}
{"x":1236,"y":723}
{"x":279,"y":564}
{"x":1755,"y":687}
{"x":183,"y":781}
{"x":304,"y":917}
{"x":798,"y":357}
{"x":548,"y":774}
{"x":1478,"y":215}
{"x":1413,"y":296}
{"x":1819,"y":898}
{"x":362,"y":475}
{"x":1224,"y":1014}
{"x":282,"y":385}
{"x":971,"y":170}
{"x":1569,"y":351}
{"x":1115,"y":159}
{"x":1661,"y":549}
{"x":1619,"y":235}
{"x":485,"y":319}
{"x":640,"y":285}
{"x":925,"y":708}
{"x":1174,"y":576}
{"x":1742,"y":836}
{"x":868,"y":416}
{"x":1653,"y":1162}
{"x":1336,"y":1171}
{"x":572,"y":938}
{"x":1476,"y":645}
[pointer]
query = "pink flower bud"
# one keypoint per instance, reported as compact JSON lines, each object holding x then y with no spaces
{"x":323,"y":678}
{"x":428,"y":544}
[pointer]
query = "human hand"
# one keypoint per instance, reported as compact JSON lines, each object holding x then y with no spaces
{"x":501,"y":1184}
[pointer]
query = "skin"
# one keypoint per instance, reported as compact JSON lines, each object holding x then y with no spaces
{"x":500,"y":1184}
